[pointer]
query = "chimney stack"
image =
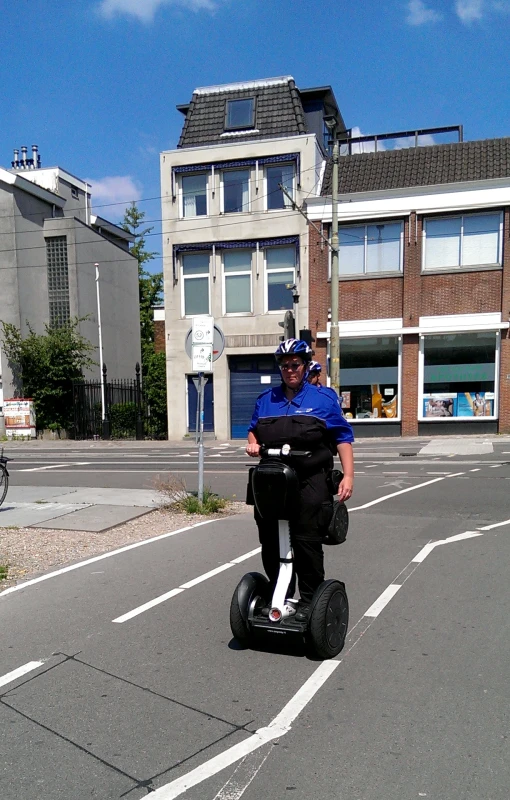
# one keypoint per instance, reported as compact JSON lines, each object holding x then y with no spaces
{"x":35,"y":157}
{"x":24,"y":156}
{"x":15,"y":163}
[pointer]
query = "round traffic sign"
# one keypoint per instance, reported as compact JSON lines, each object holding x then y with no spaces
{"x":218,"y":343}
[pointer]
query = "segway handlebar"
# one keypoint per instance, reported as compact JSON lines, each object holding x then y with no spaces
{"x":284,"y":450}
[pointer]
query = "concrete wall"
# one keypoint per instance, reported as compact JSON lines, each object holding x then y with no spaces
{"x":9,"y":299}
{"x":217,"y":226}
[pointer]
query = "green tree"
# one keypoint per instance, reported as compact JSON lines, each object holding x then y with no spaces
{"x":150,"y":283}
{"x":44,"y":367}
{"x":151,"y":292}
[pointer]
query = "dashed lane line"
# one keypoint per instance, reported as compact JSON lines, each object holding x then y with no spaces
{"x":282,"y":723}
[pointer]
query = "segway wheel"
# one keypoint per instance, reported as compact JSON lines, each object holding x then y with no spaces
{"x":249,"y":588}
{"x":329,"y":619}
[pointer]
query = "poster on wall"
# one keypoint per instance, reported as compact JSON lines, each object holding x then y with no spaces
{"x":346,"y":400}
{"x":440,"y":405}
{"x":475,"y":404}
{"x":19,"y":416}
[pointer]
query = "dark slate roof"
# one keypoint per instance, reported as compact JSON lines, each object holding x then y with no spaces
{"x":279,"y":112}
{"x":421,"y":166}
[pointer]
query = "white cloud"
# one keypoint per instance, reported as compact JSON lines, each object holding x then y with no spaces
{"x":144,"y":10}
{"x":470,"y":10}
{"x":425,"y":140}
{"x":419,"y":14}
{"x":114,"y":191}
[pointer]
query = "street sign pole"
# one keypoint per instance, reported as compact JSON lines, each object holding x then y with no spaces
{"x":204,"y":344}
{"x":201,"y":437}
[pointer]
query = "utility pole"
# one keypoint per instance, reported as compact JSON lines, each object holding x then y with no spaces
{"x":101,"y":373}
{"x":334,"y":334}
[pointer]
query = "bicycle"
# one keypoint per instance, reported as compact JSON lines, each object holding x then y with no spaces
{"x":4,"y":476}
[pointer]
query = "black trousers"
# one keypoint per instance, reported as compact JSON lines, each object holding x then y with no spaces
{"x":306,"y":532}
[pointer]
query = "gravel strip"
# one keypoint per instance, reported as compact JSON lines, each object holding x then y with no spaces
{"x":28,"y":552}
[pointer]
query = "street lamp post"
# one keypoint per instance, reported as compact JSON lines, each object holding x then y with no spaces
{"x":101,"y":365}
{"x":334,"y":347}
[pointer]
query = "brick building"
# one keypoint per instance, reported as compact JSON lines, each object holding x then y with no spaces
{"x":424,"y":287}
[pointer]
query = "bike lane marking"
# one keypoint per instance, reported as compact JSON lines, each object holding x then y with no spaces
{"x":282,"y":723}
{"x":135,"y":612}
{"x":101,"y":557}
{"x":9,"y":677}
{"x":188,"y":585}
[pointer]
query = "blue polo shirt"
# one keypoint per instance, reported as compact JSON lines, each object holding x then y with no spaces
{"x":309,"y":401}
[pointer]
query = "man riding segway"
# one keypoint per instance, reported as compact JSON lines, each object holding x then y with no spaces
{"x":301,"y":416}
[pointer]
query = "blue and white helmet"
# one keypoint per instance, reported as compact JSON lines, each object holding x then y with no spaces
{"x":293,"y":347}
{"x":314,"y":366}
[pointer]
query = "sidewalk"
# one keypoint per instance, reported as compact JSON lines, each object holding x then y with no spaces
{"x":75,"y":508}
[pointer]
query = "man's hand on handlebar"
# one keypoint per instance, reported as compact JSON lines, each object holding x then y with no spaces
{"x":345,"y":489}
{"x":253,"y":449}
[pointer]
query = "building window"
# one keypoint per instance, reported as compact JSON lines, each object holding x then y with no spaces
{"x":370,"y":248}
{"x":240,"y":114}
{"x":236,"y":191}
{"x":58,"y":280}
{"x":74,"y":193}
{"x":280,"y":273}
{"x":469,"y":240}
{"x":369,"y":373}
{"x":283,"y":174}
{"x":195,"y":274}
{"x":237,"y":281}
{"x":459,"y":372}
{"x":194,"y":195}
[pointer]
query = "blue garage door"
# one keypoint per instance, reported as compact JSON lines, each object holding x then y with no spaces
{"x":249,"y":376}
{"x":208,"y":405}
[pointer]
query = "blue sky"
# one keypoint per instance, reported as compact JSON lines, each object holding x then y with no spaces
{"x":95,"y":82}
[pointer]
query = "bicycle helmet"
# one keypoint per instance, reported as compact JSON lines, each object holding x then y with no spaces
{"x":293,"y":347}
{"x":314,"y":366}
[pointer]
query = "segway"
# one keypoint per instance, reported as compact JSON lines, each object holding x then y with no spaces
{"x":275,"y":487}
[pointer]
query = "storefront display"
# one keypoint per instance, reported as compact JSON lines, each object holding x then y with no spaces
{"x":459,"y":375}
{"x":369,"y":378}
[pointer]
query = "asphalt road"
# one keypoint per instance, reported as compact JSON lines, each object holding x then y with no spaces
{"x":147,"y":465}
{"x":415,"y":706}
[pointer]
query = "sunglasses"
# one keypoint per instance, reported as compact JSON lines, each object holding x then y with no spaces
{"x":293,"y":366}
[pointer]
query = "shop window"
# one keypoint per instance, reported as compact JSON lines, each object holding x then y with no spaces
{"x":369,"y":377}
{"x":459,"y":376}
{"x":469,"y":240}
{"x":370,"y":249}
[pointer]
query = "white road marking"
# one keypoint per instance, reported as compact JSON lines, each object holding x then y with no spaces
{"x":477,"y":469}
{"x":100,"y":558}
{"x":495,"y":466}
{"x":19,"y":672}
{"x":188,"y":585}
{"x":282,"y":723}
{"x":40,"y":469}
{"x":244,"y":774}
{"x":495,"y":525}
{"x":403,"y":491}
{"x":383,"y":600}
{"x":424,"y":552}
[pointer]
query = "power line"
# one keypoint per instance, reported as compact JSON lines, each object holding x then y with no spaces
{"x":156,"y":197}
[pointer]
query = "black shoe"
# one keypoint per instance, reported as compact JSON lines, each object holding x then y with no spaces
{"x":302,"y":613}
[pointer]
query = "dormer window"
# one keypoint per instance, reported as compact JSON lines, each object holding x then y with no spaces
{"x":240,"y":114}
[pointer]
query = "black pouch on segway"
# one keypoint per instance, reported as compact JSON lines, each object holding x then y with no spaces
{"x":333,"y":480}
{"x":250,"y":500}
{"x":338,"y":524}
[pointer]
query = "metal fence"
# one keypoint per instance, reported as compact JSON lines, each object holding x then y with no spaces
{"x":127,"y":413}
